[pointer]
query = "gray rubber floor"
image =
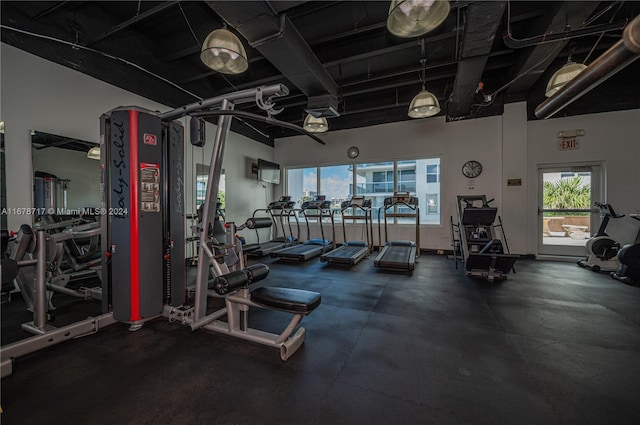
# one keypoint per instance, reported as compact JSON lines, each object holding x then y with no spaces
{"x":554,"y":344}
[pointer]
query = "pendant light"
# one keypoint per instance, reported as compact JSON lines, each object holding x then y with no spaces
{"x":424,"y":104}
{"x":562,"y":76}
{"x":315,"y":125}
{"x":223,"y":52}
{"x":568,"y":72}
{"x":94,"y":153}
{"x":413,"y":18}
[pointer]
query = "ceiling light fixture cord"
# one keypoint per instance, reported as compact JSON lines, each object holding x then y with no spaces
{"x":107,"y":55}
{"x":423,"y":63}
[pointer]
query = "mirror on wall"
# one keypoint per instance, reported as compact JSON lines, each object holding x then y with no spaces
{"x":3,"y":179}
{"x":66,"y":173}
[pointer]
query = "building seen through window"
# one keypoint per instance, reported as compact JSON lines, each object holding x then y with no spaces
{"x":376,"y":181}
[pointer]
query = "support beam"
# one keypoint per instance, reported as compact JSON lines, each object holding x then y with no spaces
{"x":132,"y":21}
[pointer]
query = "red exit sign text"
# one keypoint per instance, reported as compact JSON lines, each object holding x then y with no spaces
{"x":568,"y":143}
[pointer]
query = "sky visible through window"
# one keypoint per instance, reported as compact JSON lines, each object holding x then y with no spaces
{"x":335,"y":183}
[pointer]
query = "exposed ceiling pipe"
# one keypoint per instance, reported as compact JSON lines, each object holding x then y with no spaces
{"x":514,"y":43}
{"x":621,"y":54}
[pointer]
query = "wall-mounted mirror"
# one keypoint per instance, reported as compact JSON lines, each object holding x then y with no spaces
{"x":66,"y":177}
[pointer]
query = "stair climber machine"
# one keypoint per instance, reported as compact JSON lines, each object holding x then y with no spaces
{"x":602,"y":250}
{"x":398,"y":254}
{"x":318,"y":208}
{"x":143,"y":233}
{"x":358,"y":209}
{"x":280,"y":213}
{"x":479,"y":242}
{"x":629,"y":259}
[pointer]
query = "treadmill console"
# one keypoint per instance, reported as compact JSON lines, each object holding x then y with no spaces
{"x":358,"y":201}
{"x":281,"y":204}
{"x":401,"y":198}
{"x":318,"y":202}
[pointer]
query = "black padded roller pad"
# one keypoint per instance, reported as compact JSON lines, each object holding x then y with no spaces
{"x":259,"y":222}
{"x":257,"y":272}
{"x":229,"y":282}
{"x":287,"y":299}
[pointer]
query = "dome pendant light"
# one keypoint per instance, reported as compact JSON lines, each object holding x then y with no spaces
{"x":223,"y":52}
{"x":94,"y":153}
{"x":413,"y":18}
{"x":424,"y":104}
{"x":315,"y":125}
{"x":562,"y":76}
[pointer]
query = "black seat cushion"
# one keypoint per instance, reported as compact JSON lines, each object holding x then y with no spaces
{"x":287,"y":299}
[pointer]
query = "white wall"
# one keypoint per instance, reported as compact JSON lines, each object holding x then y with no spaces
{"x":611,"y":138}
{"x":455,"y":143}
{"x":41,"y":95}
{"x":508,"y":146}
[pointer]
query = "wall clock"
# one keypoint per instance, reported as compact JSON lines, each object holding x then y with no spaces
{"x":472,"y":169}
{"x":353,"y":152}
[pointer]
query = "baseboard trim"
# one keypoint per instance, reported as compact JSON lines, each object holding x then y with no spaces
{"x":560,"y":258}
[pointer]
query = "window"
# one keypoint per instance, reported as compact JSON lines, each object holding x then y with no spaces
{"x":406,"y":176}
{"x":202,"y":178}
{"x":375,"y":181}
{"x":302,"y":184}
{"x":336,"y":183}
{"x":432,"y":203}
{"x":433,"y":173}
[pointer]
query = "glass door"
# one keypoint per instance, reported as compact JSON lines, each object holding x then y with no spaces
{"x":565,"y":209}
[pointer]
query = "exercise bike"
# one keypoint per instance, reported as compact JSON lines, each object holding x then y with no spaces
{"x":629,"y":259}
{"x":602,"y":250}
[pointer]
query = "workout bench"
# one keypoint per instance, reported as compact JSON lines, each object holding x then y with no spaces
{"x":238,"y":298}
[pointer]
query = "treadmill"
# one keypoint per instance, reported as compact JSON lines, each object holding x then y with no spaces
{"x":318,"y":208}
{"x":398,"y":254}
{"x":279,"y":211}
{"x":351,"y":252}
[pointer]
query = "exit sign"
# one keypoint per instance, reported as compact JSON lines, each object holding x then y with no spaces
{"x":568,"y":143}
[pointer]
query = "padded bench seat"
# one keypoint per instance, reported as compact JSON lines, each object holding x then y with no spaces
{"x":296,"y":301}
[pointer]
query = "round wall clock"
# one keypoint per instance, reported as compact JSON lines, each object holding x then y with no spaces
{"x":472,"y":169}
{"x":353,"y":152}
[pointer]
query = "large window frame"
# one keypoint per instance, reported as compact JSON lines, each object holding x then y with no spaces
{"x":405,"y":173}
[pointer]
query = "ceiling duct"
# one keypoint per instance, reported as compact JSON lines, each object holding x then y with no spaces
{"x":481,"y":26}
{"x":325,"y":106}
{"x":278,"y":40}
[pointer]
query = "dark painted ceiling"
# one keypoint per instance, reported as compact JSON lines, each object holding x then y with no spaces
{"x":486,"y":54}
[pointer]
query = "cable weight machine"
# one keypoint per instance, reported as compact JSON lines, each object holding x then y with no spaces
{"x":143,"y":221}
